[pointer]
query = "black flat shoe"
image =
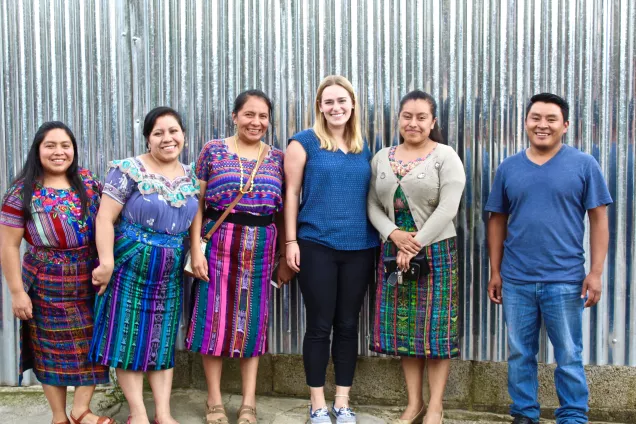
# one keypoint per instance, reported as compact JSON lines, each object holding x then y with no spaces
{"x":520,"y":419}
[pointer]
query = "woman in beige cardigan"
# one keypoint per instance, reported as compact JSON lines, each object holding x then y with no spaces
{"x":415,"y":192}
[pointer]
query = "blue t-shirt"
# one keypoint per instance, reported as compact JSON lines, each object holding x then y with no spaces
{"x":333,"y":206}
{"x":546,"y":205}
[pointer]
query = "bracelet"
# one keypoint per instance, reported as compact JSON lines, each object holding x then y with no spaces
{"x":288,"y":242}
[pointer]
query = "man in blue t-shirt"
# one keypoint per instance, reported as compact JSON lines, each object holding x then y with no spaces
{"x":535,"y":241}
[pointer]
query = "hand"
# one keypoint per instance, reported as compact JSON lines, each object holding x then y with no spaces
{"x":101,"y":277}
{"x":200,"y":265}
{"x":403,"y":260}
{"x":292,"y":256}
{"x":284,"y":274}
{"x":592,"y":286}
{"x":22,"y":306}
{"x":405,"y":241}
{"x":494,"y":288}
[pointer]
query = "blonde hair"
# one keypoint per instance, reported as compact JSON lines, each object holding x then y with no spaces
{"x":353,"y":133}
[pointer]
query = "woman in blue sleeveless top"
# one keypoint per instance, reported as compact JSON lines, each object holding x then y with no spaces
{"x":328,"y":228}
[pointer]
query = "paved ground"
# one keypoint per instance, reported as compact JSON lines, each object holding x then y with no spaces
{"x":28,"y":406}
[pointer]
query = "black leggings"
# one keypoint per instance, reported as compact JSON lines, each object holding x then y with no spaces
{"x":333,"y":284}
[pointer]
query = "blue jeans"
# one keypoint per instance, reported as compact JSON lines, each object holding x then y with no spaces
{"x":560,"y":307}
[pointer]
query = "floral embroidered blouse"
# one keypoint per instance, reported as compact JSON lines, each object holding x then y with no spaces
{"x":57,"y":220}
{"x":152,"y":200}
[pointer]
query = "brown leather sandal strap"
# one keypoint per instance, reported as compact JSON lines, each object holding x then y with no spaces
{"x":81,"y":417}
{"x":214,"y":409}
{"x":246,"y":409}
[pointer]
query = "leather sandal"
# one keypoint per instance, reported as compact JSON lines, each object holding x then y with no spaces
{"x":215,"y":409}
{"x":62,"y":422}
{"x":441,"y":417}
{"x":246,"y":410}
{"x":417,"y":419}
{"x":100,"y":420}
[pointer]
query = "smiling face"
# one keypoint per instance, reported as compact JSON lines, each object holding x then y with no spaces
{"x":545,"y":126}
{"x":252,"y":120}
{"x":166,"y":139}
{"x":416,"y":121}
{"x":56,"y":152}
{"x":336,"y":106}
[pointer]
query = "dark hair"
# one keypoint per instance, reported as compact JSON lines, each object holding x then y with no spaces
{"x":550,"y":98}
{"x":242,"y":98}
{"x":151,"y":119}
{"x":436,"y":133}
{"x":32,"y":171}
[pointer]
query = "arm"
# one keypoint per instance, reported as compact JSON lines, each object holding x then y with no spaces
{"x":599,"y":241}
{"x":375,"y":209}
{"x":295,"y":160}
{"x":452,"y":180}
{"x":10,"y":254}
{"x":497,"y":231}
{"x":285,"y":273}
{"x":109,"y":210}
{"x":199,"y":263}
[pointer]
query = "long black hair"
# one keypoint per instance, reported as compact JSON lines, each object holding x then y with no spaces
{"x":33,"y":172}
{"x":436,"y":132}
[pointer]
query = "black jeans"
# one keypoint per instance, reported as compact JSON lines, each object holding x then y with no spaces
{"x":333,"y":284}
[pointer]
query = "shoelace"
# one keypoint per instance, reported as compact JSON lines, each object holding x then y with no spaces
{"x":345,"y":411}
{"x":322,"y":412}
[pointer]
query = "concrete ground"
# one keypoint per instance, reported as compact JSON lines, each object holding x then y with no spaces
{"x":28,"y":406}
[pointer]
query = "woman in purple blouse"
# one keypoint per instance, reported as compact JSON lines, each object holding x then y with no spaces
{"x":148,"y":205}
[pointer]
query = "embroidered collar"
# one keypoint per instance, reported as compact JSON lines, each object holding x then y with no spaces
{"x":176,"y":192}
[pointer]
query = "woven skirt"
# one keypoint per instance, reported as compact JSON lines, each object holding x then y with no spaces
{"x":55,"y":343}
{"x":419,"y":318}
{"x":137,"y":317}
{"x":230,"y":313}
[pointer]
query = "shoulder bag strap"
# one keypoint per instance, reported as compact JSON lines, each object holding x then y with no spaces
{"x":231,"y":206}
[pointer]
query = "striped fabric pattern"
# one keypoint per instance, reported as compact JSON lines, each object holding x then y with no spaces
{"x":56,"y":214}
{"x":56,"y":272}
{"x":230,"y":313}
{"x":417,"y":318}
{"x":136,"y":318}
{"x":55,"y":343}
{"x":220,"y":168}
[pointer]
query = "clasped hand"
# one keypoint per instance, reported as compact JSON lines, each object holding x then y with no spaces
{"x":407,"y":246}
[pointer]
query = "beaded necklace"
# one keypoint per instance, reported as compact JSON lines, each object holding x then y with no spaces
{"x":238,"y":153}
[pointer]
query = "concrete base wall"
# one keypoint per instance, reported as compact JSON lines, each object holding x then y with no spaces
{"x":480,"y":386}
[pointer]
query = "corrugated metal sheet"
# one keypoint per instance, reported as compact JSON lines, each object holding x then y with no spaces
{"x":100,"y":65}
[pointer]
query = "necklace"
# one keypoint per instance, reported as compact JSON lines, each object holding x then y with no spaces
{"x":238,"y":153}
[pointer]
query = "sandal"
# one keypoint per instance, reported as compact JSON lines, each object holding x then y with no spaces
{"x":215,"y":409}
{"x":246,"y":410}
{"x":63,"y":422}
{"x":100,"y":420}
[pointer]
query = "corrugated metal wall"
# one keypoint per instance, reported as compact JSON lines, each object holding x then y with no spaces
{"x":100,"y":65}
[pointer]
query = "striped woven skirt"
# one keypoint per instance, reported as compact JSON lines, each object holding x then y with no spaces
{"x":137,"y":317}
{"x":419,"y":318}
{"x":229,"y":315}
{"x":56,"y":341}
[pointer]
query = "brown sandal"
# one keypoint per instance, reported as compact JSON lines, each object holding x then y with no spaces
{"x":247,"y":410}
{"x":215,"y":409}
{"x":100,"y":420}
